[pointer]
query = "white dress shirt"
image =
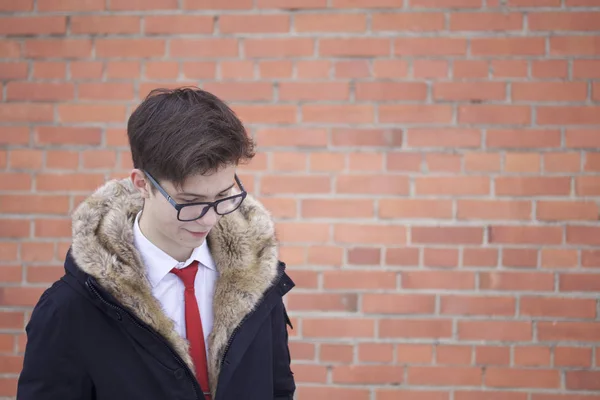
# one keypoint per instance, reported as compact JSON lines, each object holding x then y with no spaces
{"x":168,"y":287}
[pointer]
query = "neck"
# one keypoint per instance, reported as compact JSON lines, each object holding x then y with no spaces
{"x":165,"y":244}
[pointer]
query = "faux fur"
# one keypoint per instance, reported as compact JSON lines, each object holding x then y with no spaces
{"x":242,"y":244}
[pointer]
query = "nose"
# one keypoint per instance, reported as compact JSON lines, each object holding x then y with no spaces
{"x":209,"y":219}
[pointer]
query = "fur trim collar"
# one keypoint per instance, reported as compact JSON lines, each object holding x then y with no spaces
{"x":242,"y":244}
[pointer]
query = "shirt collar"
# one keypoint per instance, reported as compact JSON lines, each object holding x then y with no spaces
{"x":158,"y":263}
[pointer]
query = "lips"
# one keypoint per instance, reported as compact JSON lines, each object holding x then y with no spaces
{"x":198,"y":234}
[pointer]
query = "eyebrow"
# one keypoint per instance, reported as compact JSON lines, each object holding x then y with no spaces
{"x":201,"y":196}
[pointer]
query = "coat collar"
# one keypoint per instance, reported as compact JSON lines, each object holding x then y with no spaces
{"x":243,"y":246}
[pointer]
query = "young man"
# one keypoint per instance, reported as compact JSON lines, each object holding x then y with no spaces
{"x":173,"y":288}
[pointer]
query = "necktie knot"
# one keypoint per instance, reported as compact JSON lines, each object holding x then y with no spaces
{"x":187,"y":275}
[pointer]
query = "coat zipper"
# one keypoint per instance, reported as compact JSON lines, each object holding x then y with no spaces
{"x":91,"y":286}
{"x":237,"y":328}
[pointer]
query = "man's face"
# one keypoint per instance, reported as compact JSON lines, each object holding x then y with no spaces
{"x":159,"y":221}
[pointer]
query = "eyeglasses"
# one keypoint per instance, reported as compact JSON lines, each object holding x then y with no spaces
{"x":194,"y":211}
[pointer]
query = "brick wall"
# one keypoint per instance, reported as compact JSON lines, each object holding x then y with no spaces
{"x":432,"y":166}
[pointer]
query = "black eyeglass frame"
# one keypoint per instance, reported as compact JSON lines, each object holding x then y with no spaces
{"x":208,"y":204}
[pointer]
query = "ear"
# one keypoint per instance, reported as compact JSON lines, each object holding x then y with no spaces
{"x":140,"y":183}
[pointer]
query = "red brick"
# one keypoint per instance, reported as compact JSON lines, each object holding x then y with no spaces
{"x":491,"y":355}
{"x":200,"y":70}
{"x":274,"y":184}
{"x":477,"y":305}
{"x":372,"y":184}
{"x":67,"y":135}
{"x":457,"y":280}
{"x":312,"y":91}
{"x":9,"y":251}
{"x":454,"y":354}
{"x":534,"y":3}
{"x":14,"y":228}
{"x":583,"y":235}
{"x":495,"y":330}
{"x":447,"y":235}
{"x":240,"y":91}
{"x":559,"y":258}
{"x":415,"y":208}
{"x":532,"y":356}
{"x":15,"y":181}
{"x":430,"y":47}
{"x":34,"y":204}
{"x":574,"y":45}
{"x":533,"y":186}
{"x":402,"y":256}
{"x":131,"y":48}
{"x":332,"y":393}
{"x":49,"y":70}
{"x":568,"y":331}
{"x":480,"y":257}
{"x":419,"y":137}
{"x":292,"y":137}
{"x":398,"y":304}
{"x":416,"y":22}
{"x":58,"y":48}
{"x":465,"y":185}
{"x":332,"y":208}
{"x":26,"y":112}
{"x":383,"y":68}
{"x":387,"y":91}
{"x":313,"y":69}
{"x":26,"y":159}
{"x":415,"y":328}
{"x":121,"y":5}
{"x":582,"y":380}
{"x":217,"y":5}
{"x":564,"y":21}
{"x":364,"y":47}
{"x":494,"y":114}
{"x":558,"y":307}
{"x":322,"y":302}
{"x":74,"y":182}
{"x":325,"y":255}
{"x":526,"y":234}
{"x":523,"y":163}
{"x":522,"y":138}
{"x":549,"y":91}
{"x":445,"y":3}
{"x":14,"y":25}
{"x":519,"y":257}
{"x":330,"y":23}
{"x":476,"y":91}
{"x":543,"y":69}
{"x":413,"y":113}
{"x":522,"y":378}
{"x":29,"y":91}
{"x":486,"y":21}
{"x":573,"y":356}
{"x":562,"y":162}
{"x":275,"y":69}
{"x":350,"y":113}
{"x":290,"y":232}
{"x":69,"y":5}
{"x":339,"y":353}
{"x":590,"y":258}
{"x":366,"y":162}
{"x":369,"y":234}
{"x":445,"y":376}
{"x":404,"y":161}
{"x":87,"y":70}
{"x":269,"y":114}
{"x":446,"y":258}
{"x":375,"y":352}
{"x":562,"y":210}
{"x":338,"y":328}
{"x":516,"y":281}
{"x":494,"y":209}
{"x":9,"y":5}
{"x":586,"y":69}
{"x":358,"y":280}
{"x":430,"y":69}
{"x":587,"y":185}
{"x":366,"y":137}
{"x":20,"y":296}
{"x":179,"y":24}
{"x":254,"y":23}
{"x":366,"y":3}
{"x":291,"y":4}
{"x":368,"y":374}
{"x":278,"y":47}
{"x":522,"y":46}
{"x":105,"y":24}
{"x":414,"y":353}
{"x":10,"y":49}
{"x":470,"y":69}
{"x":327,"y":162}
{"x":91,"y":113}
{"x":13,"y":70}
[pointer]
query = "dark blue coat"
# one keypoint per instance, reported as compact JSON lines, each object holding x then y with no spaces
{"x":99,"y":334}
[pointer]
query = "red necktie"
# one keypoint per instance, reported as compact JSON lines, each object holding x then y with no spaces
{"x":193,"y":325}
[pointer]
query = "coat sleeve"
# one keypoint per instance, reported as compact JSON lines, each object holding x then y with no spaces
{"x":50,"y":369}
{"x":283,"y":379}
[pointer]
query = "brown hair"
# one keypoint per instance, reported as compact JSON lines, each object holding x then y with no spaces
{"x":177,"y":133}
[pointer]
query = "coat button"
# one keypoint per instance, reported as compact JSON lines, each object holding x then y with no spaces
{"x":179,"y":374}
